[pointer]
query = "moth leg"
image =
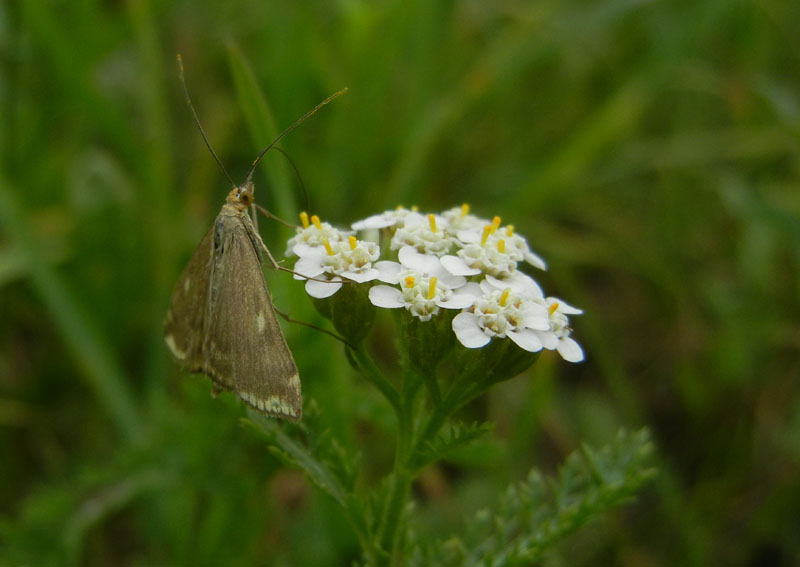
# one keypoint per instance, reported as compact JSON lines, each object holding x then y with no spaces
{"x":269,"y":215}
{"x":312,"y":326}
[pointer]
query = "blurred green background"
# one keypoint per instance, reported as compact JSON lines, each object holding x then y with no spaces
{"x":647,"y":149}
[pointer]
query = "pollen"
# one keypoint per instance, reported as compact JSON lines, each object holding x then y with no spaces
{"x":504,"y":297}
{"x":510,"y":230}
{"x":315,"y":222}
{"x":501,"y":246}
{"x":326,"y":244}
{"x":352,"y":240}
{"x":487,"y":230}
{"x":409,"y":281}
{"x":553,"y":307}
{"x":464,"y":209}
{"x":304,"y":219}
{"x":432,"y":288}
{"x":432,"y":222}
{"x":496,"y":222}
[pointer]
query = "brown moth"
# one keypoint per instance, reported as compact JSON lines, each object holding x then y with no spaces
{"x":221,"y":321}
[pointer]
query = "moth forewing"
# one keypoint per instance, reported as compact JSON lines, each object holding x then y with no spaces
{"x":227,"y":328}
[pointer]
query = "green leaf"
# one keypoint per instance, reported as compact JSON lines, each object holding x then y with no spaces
{"x":534,"y":515}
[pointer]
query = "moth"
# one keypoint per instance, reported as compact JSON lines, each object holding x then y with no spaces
{"x":221,"y":321}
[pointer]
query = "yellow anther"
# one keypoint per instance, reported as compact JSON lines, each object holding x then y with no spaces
{"x":327,"y":246}
{"x":553,"y":307}
{"x":304,"y":219}
{"x":432,"y":222}
{"x":496,"y":222}
{"x":501,"y":246}
{"x":432,"y":288}
{"x":510,"y":230}
{"x":504,"y":297}
{"x":399,"y":208}
{"x":409,"y":281}
{"x":464,"y":209}
{"x":487,"y":230}
{"x":352,"y":240}
{"x":315,"y":222}
{"x":414,"y":208}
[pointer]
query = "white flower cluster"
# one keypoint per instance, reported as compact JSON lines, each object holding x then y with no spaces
{"x":450,"y":261}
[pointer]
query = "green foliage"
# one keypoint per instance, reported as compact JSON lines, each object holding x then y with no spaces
{"x":534,"y":515}
{"x":648,"y":150}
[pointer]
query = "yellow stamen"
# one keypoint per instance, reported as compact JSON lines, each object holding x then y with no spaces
{"x":315,"y":222}
{"x":409,"y":281}
{"x":352,"y":240}
{"x":504,"y":297}
{"x":510,"y":230}
{"x":327,"y":246}
{"x":496,"y":222}
{"x":304,"y":219}
{"x":464,"y":209}
{"x":414,"y":208}
{"x":487,"y":230}
{"x":399,"y":208}
{"x":501,"y":246}
{"x":432,"y":222}
{"x":432,"y":288}
{"x":553,"y":307}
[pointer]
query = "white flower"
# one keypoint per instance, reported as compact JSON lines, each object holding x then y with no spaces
{"x":352,"y":259}
{"x":421,"y":294}
{"x":501,"y":313}
{"x":492,"y":250}
{"x":382,"y":220}
{"x":427,"y":234}
{"x":311,"y":235}
{"x":459,"y":218}
{"x":556,"y":337}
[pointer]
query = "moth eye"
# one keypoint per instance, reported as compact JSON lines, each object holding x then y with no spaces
{"x":246,"y":198}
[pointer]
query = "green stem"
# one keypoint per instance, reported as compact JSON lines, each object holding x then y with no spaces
{"x":400,"y":480}
{"x":372,"y":373}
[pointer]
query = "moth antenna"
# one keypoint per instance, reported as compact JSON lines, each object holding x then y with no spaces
{"x":299,"y":178}
{"x":289,"y":129}
{"x":199,"y":126}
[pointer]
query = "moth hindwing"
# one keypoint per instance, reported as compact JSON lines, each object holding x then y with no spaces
{"x":221,"y":321}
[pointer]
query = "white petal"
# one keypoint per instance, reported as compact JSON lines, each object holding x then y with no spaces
{"x":375,"y":221}
{"x":519,"y":283}
{"x":457,"y":266}
{"x":534,"y":260}
{"x":385,"y":296}
{"x":536,"y":321}
{"x":549,"y":339}
{"x":526,"y":339}
{"x":388,"y":271}
{"x":321,"y":290}
{"x":465,"y":326}
{"x":469,"y":236}
{"x":457,"y":301}
{"x":564,"y":307}
{"x":570,"y":350}
{"x":362,"y":276}
{"x":308,"y":266}
{"x":470,"y":288}
{"x":305,"y":249}
{"x":413,"y":260}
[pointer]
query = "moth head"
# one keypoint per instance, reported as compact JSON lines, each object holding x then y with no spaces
{"x":242,"y":195}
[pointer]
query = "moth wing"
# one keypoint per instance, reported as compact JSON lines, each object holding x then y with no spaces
{"x":187,"y":309}
{"x":244,"y":349}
